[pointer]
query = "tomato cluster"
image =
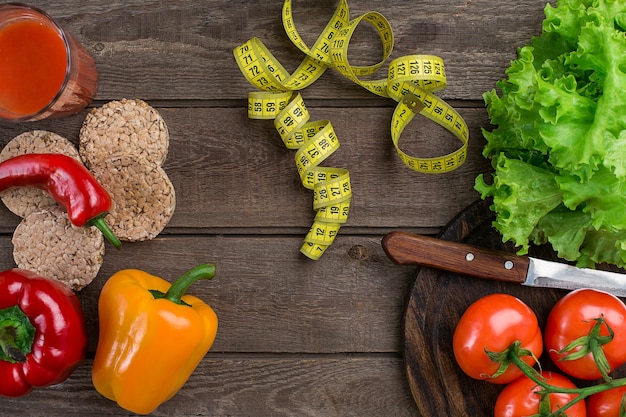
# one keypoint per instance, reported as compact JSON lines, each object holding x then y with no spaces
{"x":498,"y":339}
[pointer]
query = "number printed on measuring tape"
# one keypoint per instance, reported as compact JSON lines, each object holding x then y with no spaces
{"x":410,"y":80}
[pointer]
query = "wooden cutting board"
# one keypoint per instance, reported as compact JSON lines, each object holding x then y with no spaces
{"x":437,"y":301}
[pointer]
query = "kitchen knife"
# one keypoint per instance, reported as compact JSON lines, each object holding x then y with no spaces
{"x":410,"y":249}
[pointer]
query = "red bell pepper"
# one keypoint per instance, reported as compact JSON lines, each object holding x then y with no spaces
{"x":43,"y":336}
{"x":67,"y":181}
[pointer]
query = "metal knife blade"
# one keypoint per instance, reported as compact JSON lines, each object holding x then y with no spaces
{"x":410,"y":249}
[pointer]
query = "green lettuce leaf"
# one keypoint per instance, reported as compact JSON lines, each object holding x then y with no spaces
{"x":565,"y":230}
{"x":519,"y":187}
{"x":558,"y":146}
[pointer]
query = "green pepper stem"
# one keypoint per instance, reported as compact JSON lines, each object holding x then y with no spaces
{"x":178,"y":289}
{"x":9,"y":346}
{"x":17,"y":335}
{"x":99,"y":222}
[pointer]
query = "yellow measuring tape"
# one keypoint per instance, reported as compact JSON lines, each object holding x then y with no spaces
{"x":410,"y":81}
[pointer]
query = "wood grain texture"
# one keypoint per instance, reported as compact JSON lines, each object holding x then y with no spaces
{"x":248,"y":386}
{"x":183,"y":49}
{"x":270,"y":298}
{"x":297,"y":337}
{"x":238,"y":173}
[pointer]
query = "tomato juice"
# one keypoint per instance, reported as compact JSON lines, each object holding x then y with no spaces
{"x":44,"y":72}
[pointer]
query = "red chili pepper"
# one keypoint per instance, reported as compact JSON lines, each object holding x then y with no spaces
{"x":43,"y":336}
{"x":67,"y":181}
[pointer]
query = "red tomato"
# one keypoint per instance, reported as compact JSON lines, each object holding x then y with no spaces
{"x":520,"y":398}
{"x":606,"y":403}
{"x":493,"y":323}
{"x":572,"y":317}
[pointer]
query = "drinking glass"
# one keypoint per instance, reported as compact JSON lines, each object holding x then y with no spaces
{"x":44,"y":71}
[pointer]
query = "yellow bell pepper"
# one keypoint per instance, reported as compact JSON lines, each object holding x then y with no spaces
{"x":151,"y":338}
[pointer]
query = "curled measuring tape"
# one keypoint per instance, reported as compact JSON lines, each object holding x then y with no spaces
{"x":411,"y":81}
{"x":314,"y":142}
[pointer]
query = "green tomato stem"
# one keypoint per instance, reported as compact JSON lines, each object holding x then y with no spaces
{"x":595,"y":345}
{"x":515,"y":356}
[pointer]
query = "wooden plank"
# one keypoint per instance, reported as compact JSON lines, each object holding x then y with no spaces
{"x":268,"y":296}
{"x":249,"y":386}
{"x":231,"y":172}
{"x":183,"y":50}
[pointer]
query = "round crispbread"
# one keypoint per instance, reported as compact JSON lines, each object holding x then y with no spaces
{"x":47,"y":243}
{"x":25,"y":200}
{"x":125,"y":127}
{"x":143,"y":198}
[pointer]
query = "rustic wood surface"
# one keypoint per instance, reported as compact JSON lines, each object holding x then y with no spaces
{"x":297,"y":337}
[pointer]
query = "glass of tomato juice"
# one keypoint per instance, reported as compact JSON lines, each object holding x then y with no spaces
{"x":44,"y":71}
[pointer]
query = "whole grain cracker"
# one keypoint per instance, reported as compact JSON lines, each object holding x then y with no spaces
{"x":124,"y":127}
{"x":143,"y":198}
{"x":47,"y":243}
{"x":25,"y":200}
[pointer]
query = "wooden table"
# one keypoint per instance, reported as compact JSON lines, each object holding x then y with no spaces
{"x":297,"y":337}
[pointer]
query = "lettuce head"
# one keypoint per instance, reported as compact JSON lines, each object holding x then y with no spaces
{"x":558,"y":142}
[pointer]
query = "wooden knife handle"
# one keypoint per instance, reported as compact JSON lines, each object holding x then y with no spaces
{"x":409,"y":249}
